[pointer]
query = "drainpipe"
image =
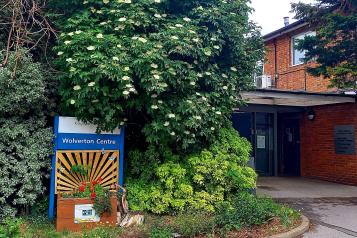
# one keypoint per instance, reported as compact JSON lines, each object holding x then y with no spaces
{"x":275,"y":64}
{"x":305,"y":78}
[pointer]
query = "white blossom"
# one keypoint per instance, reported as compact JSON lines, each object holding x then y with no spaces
{"x":234,"y":69}
{"x":216,"y":47}
{"x":156,"y":76}
{"x":91,"y":84}
{"x":122,"y":19}
{"x":60,"y":53}
{"x":174,"y":37}
{"x":218,"y":112}
{"x":172,"y":133}
{"x":171,"y":115}
{"x":208,"y":73}
{"x":77,"y":87}
{"x":186,"y":132}
{"x":224,"y":75}
{"x":189,"y":101}
{"x":125,"y":92}
{"x":125,"y":78}
{"x":196,"y":40}
{"x":193,"y":83}
{"x":70,"y":34}
{"x":166,"y":123}
{"x":155,"y":66}
{"x":212,"y":128}
{"x":73,"y":101}
{"x":119,"y":46}
{"x":225,"y":87}
{"x":127,"y":1}
{"x":157,"y":1}
{"x":143,"y":40}
{"x":157,"y":15}
{"x":131,"y":89}
{"x":187,"y":19}
{"x":128,"y":85}
{"x":154,"y":107}
{"x":179,"y":25}
{"x":100,"y":36}
{"x":121,"y":123}
{"x":192,"y":31}
{"x":67,"y":42}
{"x":126,"y":68}
{"x":69,"y":60}
{"x":134,"y":38}
{"x":160,"y":101}
{"x":78,"y":32}
{"x":199,"y":75}
{"x":115,"y":58}
{"x":91,"y":47}
{"x":197,"y":117}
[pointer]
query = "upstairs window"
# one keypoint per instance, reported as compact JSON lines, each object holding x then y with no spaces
{"x":299,"y":55}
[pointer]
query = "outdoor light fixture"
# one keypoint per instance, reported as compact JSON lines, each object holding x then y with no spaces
{"x":311,"y":115}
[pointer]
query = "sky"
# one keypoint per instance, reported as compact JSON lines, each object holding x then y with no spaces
{"x":269,"y":13}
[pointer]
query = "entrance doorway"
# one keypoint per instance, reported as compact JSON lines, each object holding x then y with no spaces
{"x":258,"y":128}
{"x":289,"y":141}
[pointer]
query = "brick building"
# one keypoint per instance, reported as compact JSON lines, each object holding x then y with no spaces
{"x":298,"y":125}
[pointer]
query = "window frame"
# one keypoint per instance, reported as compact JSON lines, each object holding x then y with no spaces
{"x":292,"y":44}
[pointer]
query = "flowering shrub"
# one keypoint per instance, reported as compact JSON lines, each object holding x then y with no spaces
{"x":198,"y":181}
{"x":174,"y":67}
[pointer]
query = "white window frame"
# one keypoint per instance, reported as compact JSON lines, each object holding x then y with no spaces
{"x":292,"y":56}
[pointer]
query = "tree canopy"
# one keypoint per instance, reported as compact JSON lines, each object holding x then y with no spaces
{"x":172,"y":68}
{"x":334,"y":47}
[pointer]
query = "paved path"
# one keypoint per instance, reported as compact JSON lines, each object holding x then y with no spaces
{"x":331,"y":207}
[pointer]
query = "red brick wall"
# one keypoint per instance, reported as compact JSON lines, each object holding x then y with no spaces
{"x":290,"y":77}
{"x":318,"y":158}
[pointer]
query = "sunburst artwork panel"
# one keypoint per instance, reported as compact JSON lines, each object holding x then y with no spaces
{"x":77,"y":166}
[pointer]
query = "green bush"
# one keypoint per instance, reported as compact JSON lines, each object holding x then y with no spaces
{"x":10,"y":228}
{"x":165,"y":182}
{"x":161,"y":230}
{"x":194,"y":223}
{"x":244,"y":210}
{"x":25,"y":137}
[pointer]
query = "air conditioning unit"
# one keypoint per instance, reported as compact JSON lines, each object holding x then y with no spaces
{"x":263,"y":81}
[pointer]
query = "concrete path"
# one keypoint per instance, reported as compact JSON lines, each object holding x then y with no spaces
{"x":331,"y":207}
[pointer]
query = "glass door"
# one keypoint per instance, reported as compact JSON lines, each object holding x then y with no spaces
{"x":264,"y":143}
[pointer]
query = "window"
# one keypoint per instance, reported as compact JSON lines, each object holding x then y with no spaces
{"x":299,"y":55}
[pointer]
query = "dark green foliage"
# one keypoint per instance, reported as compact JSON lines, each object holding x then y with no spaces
{"x":244,"y":210}
{"x":161,"y":230}
{"x":25,"y":137}
{"x":102,"y":201}
{"x":193,"y":223}
{"x":334,"y":47}
{"x":80,"y":169}
{"x":164,"y":182}
{"x":10,"y":228}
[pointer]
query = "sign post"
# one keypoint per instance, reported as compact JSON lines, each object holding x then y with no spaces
{"x":72,"y":135}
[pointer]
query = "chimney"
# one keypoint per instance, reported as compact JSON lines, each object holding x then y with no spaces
{"x":286,"y":21}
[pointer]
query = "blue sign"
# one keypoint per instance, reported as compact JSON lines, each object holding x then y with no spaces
{"x":71,"y":134}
